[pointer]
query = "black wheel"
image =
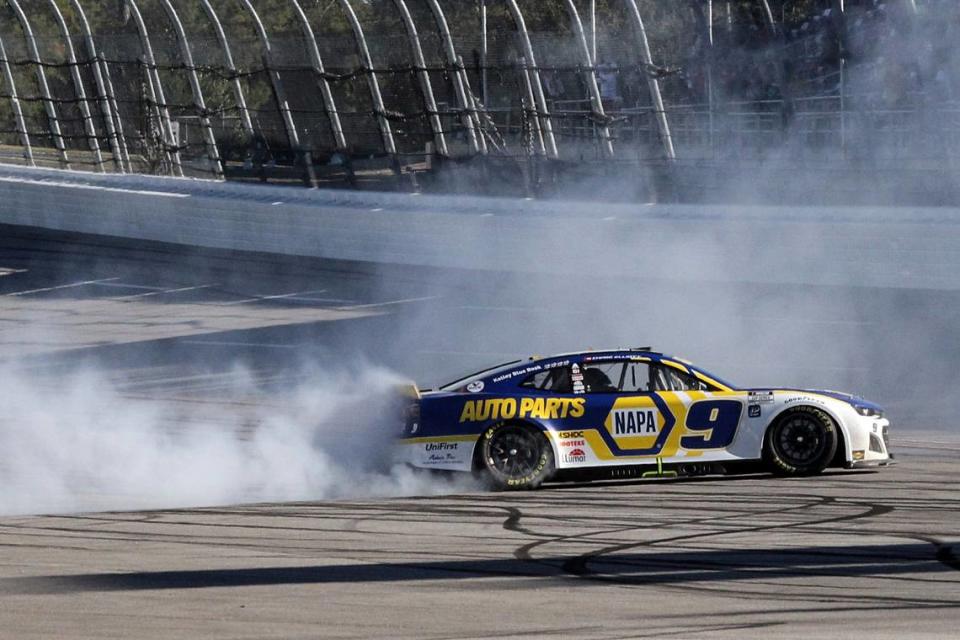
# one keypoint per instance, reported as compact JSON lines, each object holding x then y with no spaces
{"x":516,"y":456}
{"x":801,"y":442}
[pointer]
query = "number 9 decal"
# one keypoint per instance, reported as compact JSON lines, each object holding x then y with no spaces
{"x":718,"y":417}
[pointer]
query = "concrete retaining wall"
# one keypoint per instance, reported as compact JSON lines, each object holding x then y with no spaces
{"x":861,"y":246}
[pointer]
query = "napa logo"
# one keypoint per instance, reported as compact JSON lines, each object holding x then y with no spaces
{"x":635,"y":422}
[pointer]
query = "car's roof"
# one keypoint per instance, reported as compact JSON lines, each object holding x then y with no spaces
{"x":593,"y":352}
{"x":506,"y":366}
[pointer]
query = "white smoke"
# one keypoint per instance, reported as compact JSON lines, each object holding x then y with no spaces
{"x":82,"y":443}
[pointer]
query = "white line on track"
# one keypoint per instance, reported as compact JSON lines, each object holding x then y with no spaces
{"x":372,"y":305}
{"x":810,"y":320}
{"x":475,"y":307}
{"x":296,"y":295}
{"x":225,"y":343}
{"x":925,"y":444}
{"x":83,"y":283}
{"x":324,"y":300}
{"x":124,"y":285}
{"x":158,"y":292}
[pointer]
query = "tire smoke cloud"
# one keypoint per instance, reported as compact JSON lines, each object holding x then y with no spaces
{"x":81,"y":443}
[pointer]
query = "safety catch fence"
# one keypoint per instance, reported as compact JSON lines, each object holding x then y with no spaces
{"x":354,"y":90}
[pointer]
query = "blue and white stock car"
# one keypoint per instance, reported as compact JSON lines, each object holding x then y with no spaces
{"x":632,"y":412}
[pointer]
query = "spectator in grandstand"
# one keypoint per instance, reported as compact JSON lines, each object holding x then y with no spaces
{"x":608,"y":78}
{"x":552,"y":83}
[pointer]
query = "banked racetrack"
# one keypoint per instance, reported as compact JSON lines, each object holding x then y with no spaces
{"x":846,"y":554}
{"x":835,"y":556}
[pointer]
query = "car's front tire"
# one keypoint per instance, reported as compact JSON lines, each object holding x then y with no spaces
{"x":801,"y":442}
{"x":516,"y":456}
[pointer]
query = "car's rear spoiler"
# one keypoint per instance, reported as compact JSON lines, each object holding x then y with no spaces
{"x":407,"y":390}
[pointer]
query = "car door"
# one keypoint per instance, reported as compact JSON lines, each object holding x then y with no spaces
{"x":655,"y":411}
{"x":637,"y":422}
{"x":705,"y":422}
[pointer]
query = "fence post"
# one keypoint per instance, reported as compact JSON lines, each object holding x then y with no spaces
{"x":480,"y":122}
{"x":112,"y":101}
{"x":117,"y":143}
{"x":213,"y":153}
{"x":654,"y":85}
{"x":45,"y":95}
{"x":328,"y":102}
{"x":231,"y":68}
{"x":429,"y":102}
{"x":280,"y":95}
{"x":483,"y":51}
{"x":81,"y":93}
{"x":461,"y":84}
{"x":768,"y":13}
{"x":710,"y":80}
{"x":533,"y":74}
{"x":588,"y":60}
{"x":840,"y":22}
{"x":156,"y":92}
{"x":372,"y":82}
{"x":17,"y":111}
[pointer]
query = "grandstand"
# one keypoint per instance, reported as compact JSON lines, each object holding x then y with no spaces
{"x":669,"y":99}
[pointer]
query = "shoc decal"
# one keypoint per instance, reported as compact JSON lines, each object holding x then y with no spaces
{"x":508,"y":408}
{"x":570,"y":434}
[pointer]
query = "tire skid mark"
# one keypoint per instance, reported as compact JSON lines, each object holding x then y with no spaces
{"x":579,"y":565}
{"x":524,"y":552}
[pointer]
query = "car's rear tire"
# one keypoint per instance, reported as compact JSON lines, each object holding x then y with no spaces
{"x":801,"y":442}
{"x":516,"y":456}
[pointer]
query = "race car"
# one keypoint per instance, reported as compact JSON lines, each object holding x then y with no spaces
{"x":632,"y":412}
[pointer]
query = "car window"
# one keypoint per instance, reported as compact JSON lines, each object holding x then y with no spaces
{"x":556,"y":380}
{"x":616,"y":377}
{"x":636,"y":378}
{"x":613,"y":377}
{"x":669,"y":379}
{"x":601,"y":377}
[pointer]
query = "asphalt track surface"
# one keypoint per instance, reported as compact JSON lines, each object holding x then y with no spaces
{"x":847,"y":554}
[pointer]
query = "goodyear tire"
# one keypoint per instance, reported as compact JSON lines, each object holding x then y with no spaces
{"x":516,"y":456}
{"x":801,"y":442}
